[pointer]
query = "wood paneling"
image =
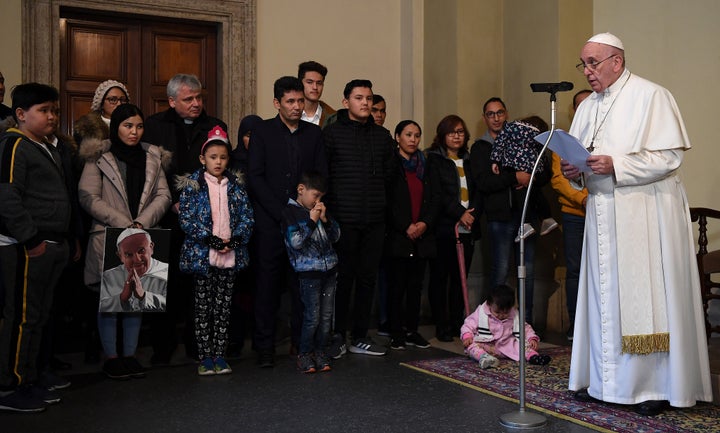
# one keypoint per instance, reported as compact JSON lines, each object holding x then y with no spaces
{"x":140,"y":51}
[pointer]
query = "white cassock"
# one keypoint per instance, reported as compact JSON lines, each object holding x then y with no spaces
{"x":639,"y":282}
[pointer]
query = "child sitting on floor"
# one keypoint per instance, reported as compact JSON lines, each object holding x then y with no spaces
{"x":493,"y":331}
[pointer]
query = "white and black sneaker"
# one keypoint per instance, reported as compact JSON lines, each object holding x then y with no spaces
{"x":415,"y":339}
{"x":365,"y":346}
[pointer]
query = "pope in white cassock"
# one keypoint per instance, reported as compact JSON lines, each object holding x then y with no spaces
{"x":639,"y":328}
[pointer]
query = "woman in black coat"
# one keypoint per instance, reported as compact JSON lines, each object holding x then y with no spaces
{"x":448,"y":167}
{"x":410,"y":236}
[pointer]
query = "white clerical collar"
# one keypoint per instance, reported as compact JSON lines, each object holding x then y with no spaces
{"x":618,"y":84}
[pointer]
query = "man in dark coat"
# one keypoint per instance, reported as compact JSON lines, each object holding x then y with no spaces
{"x":281,"y":149}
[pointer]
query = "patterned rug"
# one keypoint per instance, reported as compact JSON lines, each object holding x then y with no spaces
{"x":546,"y":391}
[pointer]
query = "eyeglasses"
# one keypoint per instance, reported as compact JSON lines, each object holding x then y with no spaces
{"x":114,"y":100}
{"x":591,"y":66}
{"x":499,"y":113}
{"x":457,"y":132}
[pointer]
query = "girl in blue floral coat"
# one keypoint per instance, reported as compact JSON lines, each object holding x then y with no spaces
{"x":216,"y":216}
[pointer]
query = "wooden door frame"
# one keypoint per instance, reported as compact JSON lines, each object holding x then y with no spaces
{"x":237,"y":38}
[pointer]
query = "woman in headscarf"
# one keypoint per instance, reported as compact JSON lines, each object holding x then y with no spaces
{"x":122,"y":185}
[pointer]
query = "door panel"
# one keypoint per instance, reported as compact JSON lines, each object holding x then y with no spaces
{"x":140,"y":51}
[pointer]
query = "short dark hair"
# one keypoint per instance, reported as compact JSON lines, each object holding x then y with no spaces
{"x":356,"y":83}
{"x":313,"y":179}
{"x":311,"y":66}
{"x":581,"y":92}
{"x":377,"y":99}
{"x":122,"y":112}
{"x":502,"y":296}
{"x":493,"y":99}
{"x":26,"y":95}
{"x":286,"y":84}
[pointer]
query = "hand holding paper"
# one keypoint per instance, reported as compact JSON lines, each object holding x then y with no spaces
{"x":568,"y":147}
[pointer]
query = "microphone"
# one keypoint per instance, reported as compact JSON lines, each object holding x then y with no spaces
{"x":563,"y":86}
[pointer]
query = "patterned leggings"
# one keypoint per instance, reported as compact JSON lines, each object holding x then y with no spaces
{"x":213,"y":295}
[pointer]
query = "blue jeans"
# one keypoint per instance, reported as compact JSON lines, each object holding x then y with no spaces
{"x":502,"y":241}
{"x":573,"y":228}
{"x":318,"y":298}
{"x":107,"y":326}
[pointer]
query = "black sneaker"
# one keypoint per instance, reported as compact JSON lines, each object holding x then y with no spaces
{"x":115,"y":368}
{"x":21,"y":400}
{"x":43,"y":394}
{"x":397,"y":343}
{"x":445,"y":336}
{"x":540,"y":360}
{"x":570,"y":331}
{"x":415,"y":339}
{"x":136,"y":370}
{"x":52,"y":381}
{"x":365,"y":346}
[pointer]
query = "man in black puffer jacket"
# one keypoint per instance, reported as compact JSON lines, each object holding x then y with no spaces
{"x":360,"y":160}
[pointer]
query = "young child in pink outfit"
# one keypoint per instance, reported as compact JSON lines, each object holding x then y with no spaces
{"x":492,"y":331}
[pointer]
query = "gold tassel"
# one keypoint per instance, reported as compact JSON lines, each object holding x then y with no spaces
{"x":645,"y":344}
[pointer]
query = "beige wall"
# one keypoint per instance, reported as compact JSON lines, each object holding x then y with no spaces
{"x":457,"y":53}
{"x":10,"y":46}
{"x":353,"y":39}
{"x":676,"y":44}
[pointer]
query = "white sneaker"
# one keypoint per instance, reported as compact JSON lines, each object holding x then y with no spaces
{"x":528,"y":231}
{"x":488,"y":361}
{"x":548,"y":225}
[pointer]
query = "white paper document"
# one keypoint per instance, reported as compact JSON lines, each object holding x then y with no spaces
{"x":568,"y":147}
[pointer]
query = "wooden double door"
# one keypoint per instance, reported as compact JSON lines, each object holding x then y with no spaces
{"x":140,"y":51}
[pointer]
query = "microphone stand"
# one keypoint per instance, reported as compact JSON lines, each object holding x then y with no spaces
{"x":522,"y":419}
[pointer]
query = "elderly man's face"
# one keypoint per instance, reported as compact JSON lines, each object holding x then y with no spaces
{"x":188,"y":104}
{"x":608,"y":65}
{"x":135,"y":252}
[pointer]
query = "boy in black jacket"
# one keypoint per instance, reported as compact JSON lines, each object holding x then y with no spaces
{"x":34,"y":222}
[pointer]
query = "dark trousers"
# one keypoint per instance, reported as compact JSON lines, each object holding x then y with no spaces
{"x":445,"y":290}
{"x":359,"y":251}
{"x":407,"y":276}
{"x":272,"y":274}
{"x":29,"y":284}
{"x":573,"y":227}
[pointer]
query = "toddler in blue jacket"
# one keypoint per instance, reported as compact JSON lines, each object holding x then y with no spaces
{"x":309,"y":233}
